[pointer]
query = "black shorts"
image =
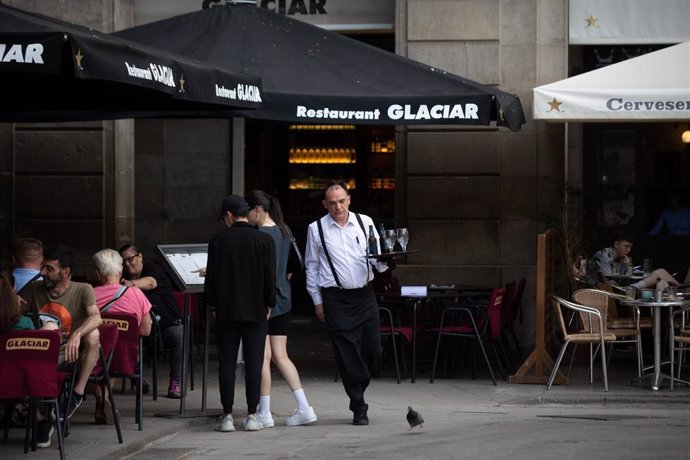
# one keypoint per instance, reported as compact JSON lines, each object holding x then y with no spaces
{"x":279,"y":324}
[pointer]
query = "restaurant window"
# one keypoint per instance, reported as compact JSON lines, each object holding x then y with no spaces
{"x":617,"y":166}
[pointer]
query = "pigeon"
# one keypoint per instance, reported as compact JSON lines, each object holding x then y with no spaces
{"x":414,"y":418}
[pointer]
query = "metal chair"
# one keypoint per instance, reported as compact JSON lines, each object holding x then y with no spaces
{"x":127,"y":357}
{"x":390,"y":329}
{"x":471,"y":323}
{"x":100,"y":375}
{"x":28,"y":364}
{"x":602,"y":300}
{"x":592,"y":333}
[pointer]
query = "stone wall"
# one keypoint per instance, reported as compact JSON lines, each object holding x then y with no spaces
{"x":182,"y":173}
{"x":477,"y":197}
{"x":58,"y":179}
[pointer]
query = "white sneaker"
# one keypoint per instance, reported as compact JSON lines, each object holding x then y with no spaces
{"x":253,"y":423}
{"x":266,"y":420}
{"x":225,"y":423}
{"x":300,"y":417}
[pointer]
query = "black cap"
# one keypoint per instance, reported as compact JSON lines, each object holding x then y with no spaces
{"x":235,"y":204}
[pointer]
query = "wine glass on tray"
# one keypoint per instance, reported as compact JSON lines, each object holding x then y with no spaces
{"x":403,"y":238}
{"x":390,"y":237}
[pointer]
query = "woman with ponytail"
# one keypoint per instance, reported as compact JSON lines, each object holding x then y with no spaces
{"x":265,"y":212}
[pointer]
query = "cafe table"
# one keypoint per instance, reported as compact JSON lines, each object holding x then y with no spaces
{"x":625,"y":279}
{"x":657,"y":307}
{"x":432,"y":293}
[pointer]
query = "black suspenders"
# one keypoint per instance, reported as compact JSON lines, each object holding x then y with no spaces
{"x":325,"y":251}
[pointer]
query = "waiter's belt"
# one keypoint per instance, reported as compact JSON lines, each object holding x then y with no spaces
{"x":339,"y":289}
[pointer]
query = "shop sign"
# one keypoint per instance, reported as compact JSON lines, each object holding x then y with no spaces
{"x":341,"y":15}
{"x":628,"y":22}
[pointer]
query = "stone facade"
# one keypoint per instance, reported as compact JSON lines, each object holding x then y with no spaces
{"x":68,"y":183}
{"x":473,"y":198}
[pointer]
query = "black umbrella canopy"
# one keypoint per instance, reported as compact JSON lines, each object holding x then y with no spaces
{"x":55,"y":71}
{"x":315,"y":76}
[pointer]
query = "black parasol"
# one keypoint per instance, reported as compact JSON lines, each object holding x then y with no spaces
{"x":315,"y":76}
{"x":51,"y":70}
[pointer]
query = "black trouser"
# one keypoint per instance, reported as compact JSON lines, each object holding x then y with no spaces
{"x":173,"y":337}
{"x":228,"y":336}
{"x":353,"y":324}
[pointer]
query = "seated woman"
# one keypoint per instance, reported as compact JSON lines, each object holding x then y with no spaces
{"x":113,"y":297}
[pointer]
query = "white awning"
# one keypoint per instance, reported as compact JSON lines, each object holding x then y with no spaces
{"x":626,"y":22}
{"x":652,"y":87}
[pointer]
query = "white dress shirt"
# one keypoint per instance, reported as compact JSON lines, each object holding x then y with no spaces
{"x":347,"y":246}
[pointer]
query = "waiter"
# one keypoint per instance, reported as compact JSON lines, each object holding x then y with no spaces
{"x":339,"y":279}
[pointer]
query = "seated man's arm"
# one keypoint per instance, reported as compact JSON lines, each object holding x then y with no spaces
{"x":93,"y":321}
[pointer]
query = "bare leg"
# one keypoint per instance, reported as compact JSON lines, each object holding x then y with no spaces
{"x":282,"y":361}
{"x":650,"y":280}
{"x":266,"y":370}
{"x":88,"y":358}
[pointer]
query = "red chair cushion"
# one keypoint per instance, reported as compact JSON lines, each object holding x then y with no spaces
{"x":28,"y":364}
{"x":126,"y":355}
{"x":406,"y":332}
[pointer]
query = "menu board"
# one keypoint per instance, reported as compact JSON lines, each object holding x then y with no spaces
{"x":185,"y":261}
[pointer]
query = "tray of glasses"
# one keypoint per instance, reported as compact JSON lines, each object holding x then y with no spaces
{"x":392,"y":255}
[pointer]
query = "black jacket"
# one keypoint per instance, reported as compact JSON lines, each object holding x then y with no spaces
{"x":241,"y":273}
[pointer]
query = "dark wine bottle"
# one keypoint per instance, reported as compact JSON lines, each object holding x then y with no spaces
{"x":373,"y":247}
{"x":382,"y":239}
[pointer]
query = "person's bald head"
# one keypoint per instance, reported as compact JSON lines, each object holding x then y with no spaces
{"x":28,"y":253}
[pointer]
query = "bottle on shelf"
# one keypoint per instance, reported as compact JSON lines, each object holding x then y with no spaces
{"x":373,"y":246}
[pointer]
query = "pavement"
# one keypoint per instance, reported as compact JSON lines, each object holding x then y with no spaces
{"x":463,"y":418}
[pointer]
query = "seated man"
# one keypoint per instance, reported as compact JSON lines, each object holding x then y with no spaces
{"x":151,"y":279}
{"x":27,"y":259}
{"x":113,"y":297}
{"x":75,"y":304}
{"x":614,"y":261}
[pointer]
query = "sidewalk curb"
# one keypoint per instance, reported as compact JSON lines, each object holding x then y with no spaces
{"x":132,"y":447}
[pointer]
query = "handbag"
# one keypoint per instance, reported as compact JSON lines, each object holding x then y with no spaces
{"x":295,"y":259}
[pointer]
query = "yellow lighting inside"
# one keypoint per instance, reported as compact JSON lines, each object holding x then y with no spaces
{"x":685,"y":137}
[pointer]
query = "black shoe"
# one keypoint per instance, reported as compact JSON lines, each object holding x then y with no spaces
{"x":360,"y":418}
{"x":44,"y":431}
{"x":74,"y":403}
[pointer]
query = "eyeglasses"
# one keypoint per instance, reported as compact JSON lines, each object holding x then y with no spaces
{"x":130,"y":259}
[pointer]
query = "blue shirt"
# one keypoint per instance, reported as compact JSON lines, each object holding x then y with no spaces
{"x":676,"y":222}
{"x":23,"y":276}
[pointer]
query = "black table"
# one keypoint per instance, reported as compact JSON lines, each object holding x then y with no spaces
{"x":656,"y":376}
{"x":433,"y":293}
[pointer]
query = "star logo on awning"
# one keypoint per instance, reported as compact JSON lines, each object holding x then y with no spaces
{"x":555,"y":105}
{"x":591,"y":21}
{"x":182,"y":80}
{"x":79,"y":57}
